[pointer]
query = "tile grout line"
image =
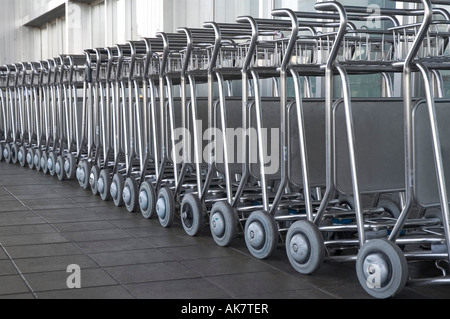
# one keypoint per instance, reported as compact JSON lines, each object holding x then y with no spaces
{"x":19,"y":272}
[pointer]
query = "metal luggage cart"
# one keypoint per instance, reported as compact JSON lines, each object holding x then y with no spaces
{"x":90,"y":129}
{"x":11,"y":148}
{"x":103,"y":159}
{"x":376,"y":255}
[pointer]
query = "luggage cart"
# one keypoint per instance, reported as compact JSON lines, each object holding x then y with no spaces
{"x":90,"y":130}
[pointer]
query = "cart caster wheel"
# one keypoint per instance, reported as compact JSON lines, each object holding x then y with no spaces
{"x":147,"y":200}
{"x":223,"y":223}
{"x":104,"y":185}
{"x":93,"y":179}
{"x":14,"y":153}
{"x":305,"y":247}
{"x":261,"y":235}
{"x":30,"y":158}
{"x":70,"y":167}
{"x":130,"y":195}
{"x":21,"y":156}
{"x":381,"y":268}
{"x":51,"y":163}
{"x":59,"y":168}
{"x":116,"y":190}
{"x":390,"y":208}
{"x":83,"y":172}
{"x":44,"y":163}
{"x":165,"y":207}
{"x":1,"y":153}
{"x":7,"y":153}
{"x":192,"y":216}
{"x":37,"y":160}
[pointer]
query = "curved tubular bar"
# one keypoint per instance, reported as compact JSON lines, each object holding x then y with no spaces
{"x":407,"y":80}
{"x":330,"y":189}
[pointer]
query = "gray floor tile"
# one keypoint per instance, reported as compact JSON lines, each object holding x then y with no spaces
{"x":133,"y":257}
{"x":26,"y":229}
{"x":2,"y":254}
{"x":20,"y":240}
{"x":45,"y":250}
{"x":54,"y":263}
{"x":11,"y":206}
{"x":84,"y":226}
{"x":125,"y":244}
{"x":225,"y":265}
{"x":240,"y":285}
{"x":151,"y":272}
{"x":199,"y":252}
{"x":105,"y":234}
{"x":136,"y":222}
{"x":96,"y":293}
{"x":197,"y":288}
{"x":17,"y":296}
{"x":57,"y":280}
{"x":12,"y":285}
{"x":7,"y":268}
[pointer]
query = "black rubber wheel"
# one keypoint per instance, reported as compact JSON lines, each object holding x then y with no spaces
{"x":93,"y":179}
{"x":192,"y":215}
{"x":83,"y":171}
{"x":21,"y":156}
{"x":104,"y":185}
{"x":30,"y":157}
{"x":70,"y":166}
{"x":305,"y":247}
{"x":381,"y":268}
{"x":116,"y":189}
{"x":44,"y":162}
{"x":261,"y":234}
{"x":1,"y":152}
{"x":37,"y":160}
{"x":165,"y":207}
{"x":14,"y":153}
{"x":130,"y":195}
{"x":147,"y":200}
{"x":7,"y":153}
{"x":223,"y":221}
{"x":51,"y":163}
{"x":59,"y":168}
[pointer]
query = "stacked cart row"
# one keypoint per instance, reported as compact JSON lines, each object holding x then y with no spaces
{"x":251,"y":129}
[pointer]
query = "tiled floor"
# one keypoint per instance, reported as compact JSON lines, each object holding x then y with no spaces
{"x":47,"y":225}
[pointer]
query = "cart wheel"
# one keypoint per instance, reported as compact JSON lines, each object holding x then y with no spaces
{"x":261,"y":235}
{"x":434,"y":213}
{"x":21,"y":156}
{"x":70,"y":166}
{"x":37,"y":159}
{"x":192,"y":216}
{"x":1,"y":152}
{"x":381,"y":268}
{"x":147,"y":200}
{"x":30,"y":158}
{"x":59,"y":168}
{"x":83,"y":171}
{"x":116,"y":190}
{"x":104,"y":185}
{"x":223,"y":221}
{"x":7,"y":153}
{"x":305,"y":247}
{"x":51,"y":163}
{"x":390,"y":207}
{"x":14,"y":153}
{"x":130,"y":195}
{"x":165,"y":207}
{"x":44,"y":163}
{"x":93,"y":179}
